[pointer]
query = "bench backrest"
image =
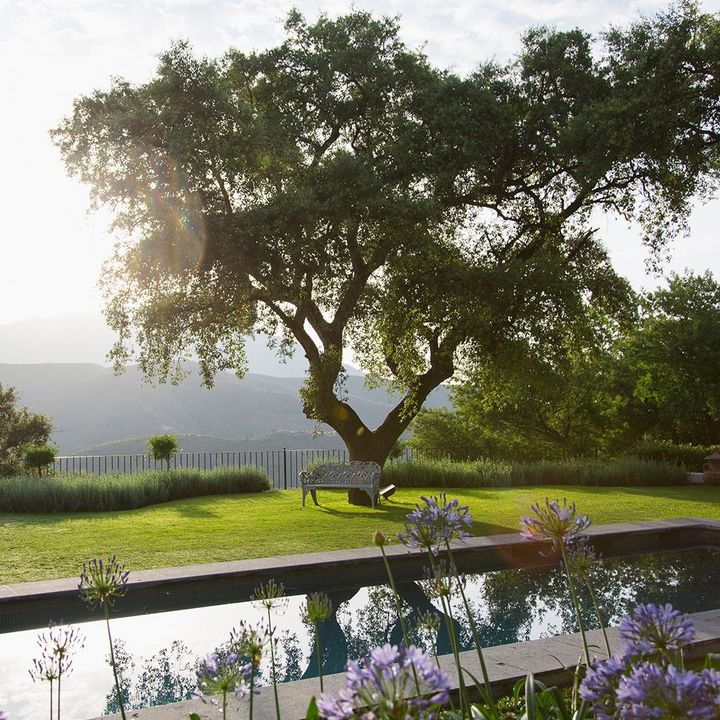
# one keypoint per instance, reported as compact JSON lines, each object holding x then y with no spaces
{"x":362,"y":473}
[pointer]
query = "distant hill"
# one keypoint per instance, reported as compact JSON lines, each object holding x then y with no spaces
{"x":292,"y":440}
{"x":86,"y":338}
{"x":92,"y":407}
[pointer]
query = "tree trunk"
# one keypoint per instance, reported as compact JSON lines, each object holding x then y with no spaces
{"x":368,"y":446}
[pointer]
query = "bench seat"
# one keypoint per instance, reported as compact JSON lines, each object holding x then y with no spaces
{"x":361,"y":475}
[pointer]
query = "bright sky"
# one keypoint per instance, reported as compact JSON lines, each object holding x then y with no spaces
{"x":51,"y":51}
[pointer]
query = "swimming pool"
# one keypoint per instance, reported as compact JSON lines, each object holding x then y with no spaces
{"x":158,"y":652}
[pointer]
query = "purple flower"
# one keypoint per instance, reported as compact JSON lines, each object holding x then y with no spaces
{"x":599,"y":687}
{"x":381,"y":686}
{"x":436,"y":522}
{"x":220,"y":676}
{"x":653,"y":630}
{"x":3,"y":716}
{"x":553,"y":523}
{"x":101,"y":583}
{"x":653,"y":691}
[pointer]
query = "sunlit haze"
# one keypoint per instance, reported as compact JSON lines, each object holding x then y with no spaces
{"x":54,"y":51}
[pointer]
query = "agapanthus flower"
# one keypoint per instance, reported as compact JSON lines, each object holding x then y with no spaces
{"x":439,"y":580}
{"x":3,"y":716}
{"x":56,"y":653}
{"x":581,"y":555}
{"x":599,"y":687}
{"x":270,"y":595}
{"x":553,"y":523}
{"x":436,"y":522}
{"x":221,"y":676}
{"x":652,"y":629}
{"x":102,"y":583}
{"x":318,"y":608}
{"x":381,"y":683}
{"x":249,"y":642}
{"x":654,"y":691}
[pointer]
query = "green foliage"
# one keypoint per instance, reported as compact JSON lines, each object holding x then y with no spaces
{"x":163,"y":447}
{"x":88,"y":493}
{"x":489,"y":473}
{"x":18,"y":428}
{"x":606,"y":389}
{"x":691,"y":457}
{"x":671,"y":363}
{"x":39,"y":457}
{"x":308,"y":188}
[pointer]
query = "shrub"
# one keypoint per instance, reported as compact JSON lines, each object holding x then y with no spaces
{"x":37,"y":457}
{"x":88,"y":493}
{"x":492,"y":473}
{"x":163,"y":447}
{"x":691,"y":457}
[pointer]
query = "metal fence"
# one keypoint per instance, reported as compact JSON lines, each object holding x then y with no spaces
{"x":282,"y":466}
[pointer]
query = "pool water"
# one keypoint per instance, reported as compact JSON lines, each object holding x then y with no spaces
{"x":158,"y":653}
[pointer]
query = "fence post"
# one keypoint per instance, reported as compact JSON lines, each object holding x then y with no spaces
{"x":285,"y":466}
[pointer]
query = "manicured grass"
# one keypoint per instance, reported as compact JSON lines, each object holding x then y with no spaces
{"x":209,"y":529}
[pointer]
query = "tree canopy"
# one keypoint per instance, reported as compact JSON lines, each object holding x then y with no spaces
{"x":341,"y":191}
{"x":672,"y":363}
{"x":650,"y":382}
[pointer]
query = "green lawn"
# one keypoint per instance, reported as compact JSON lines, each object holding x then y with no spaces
{"x":35,"y":547}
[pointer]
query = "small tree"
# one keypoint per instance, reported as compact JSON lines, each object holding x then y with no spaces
{"x":37,"y":457}
{"x":19,"y":428}
{"x":163,"y":447}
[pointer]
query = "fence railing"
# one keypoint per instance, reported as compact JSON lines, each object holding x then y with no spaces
{"x":282,"y":466}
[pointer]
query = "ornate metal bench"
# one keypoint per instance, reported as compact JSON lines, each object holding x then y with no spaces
{"x":362,"y":475}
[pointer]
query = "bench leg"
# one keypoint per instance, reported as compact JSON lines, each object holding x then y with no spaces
{"x":314,"y":496}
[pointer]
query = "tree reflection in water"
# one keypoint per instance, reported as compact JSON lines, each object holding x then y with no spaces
{"x":507,"y":606}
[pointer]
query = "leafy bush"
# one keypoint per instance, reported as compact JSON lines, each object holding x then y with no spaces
{"x":18,"y":428}
{"x":163,"y":447}
{"x":691,"y":457}
{"x":492,"y":473}
{"x":37,"y":457}
{"x":85,"y":493}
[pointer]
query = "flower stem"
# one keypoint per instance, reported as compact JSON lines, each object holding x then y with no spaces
{"x":272,"y":664}
{"x":319,"y":654}
{"x":398,"y":607}
{"x":599,"y":615}
{"x":112,"y":661}
{"x":58,"y":694}
{"x":252,"y":686}
{"x":449,"y":623}
{"x":473,"y":628}
{"x":396,"y":597}
{"x":576,"y":605}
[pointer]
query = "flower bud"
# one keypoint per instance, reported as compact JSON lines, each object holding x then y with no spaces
{"x":379,"y":539}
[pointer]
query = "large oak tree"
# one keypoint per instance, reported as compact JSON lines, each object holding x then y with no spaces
{"x":341,"y":191}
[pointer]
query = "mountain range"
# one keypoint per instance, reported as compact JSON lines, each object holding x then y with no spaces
{"x":96,"y":412}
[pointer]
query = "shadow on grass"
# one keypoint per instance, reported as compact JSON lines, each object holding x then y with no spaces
{"x":395,"y":512}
